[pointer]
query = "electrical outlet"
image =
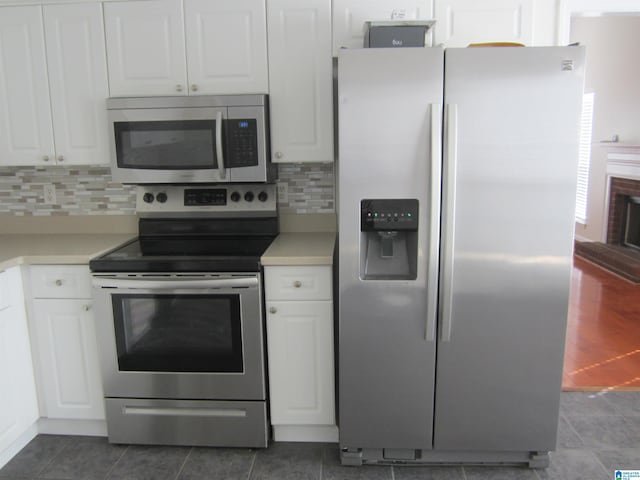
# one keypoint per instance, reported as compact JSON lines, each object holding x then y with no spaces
{"x":49,"y":194}
{"x":283,"y":192}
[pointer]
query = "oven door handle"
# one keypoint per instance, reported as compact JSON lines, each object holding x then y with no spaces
{"x":175,"y":284}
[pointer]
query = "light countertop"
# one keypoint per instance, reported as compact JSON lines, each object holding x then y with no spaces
{"x":301,"y":249}
{"x":64,"y":249}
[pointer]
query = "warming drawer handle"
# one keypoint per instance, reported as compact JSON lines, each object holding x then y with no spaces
{"x":184,"y":412}
{"x":223,"y":172}
{"x":449,"y":221}
{"x":434,"y":226}
{"x":174,"y":284}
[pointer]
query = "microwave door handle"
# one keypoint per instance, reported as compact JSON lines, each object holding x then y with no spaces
{"x":223,"y":172}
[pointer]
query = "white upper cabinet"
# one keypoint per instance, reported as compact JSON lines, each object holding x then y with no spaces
{"x":145,"y":48}
{"x":52,"y":104}
{"x":461,"y":22}
{"x":226,"y":46}
{"x":26,"y":134}
{"x":78,"y":80}
{"x":157,"y":48}
{"x":300,"y":80}
{"x":349,"y":17}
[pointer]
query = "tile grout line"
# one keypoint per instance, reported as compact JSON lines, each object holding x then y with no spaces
{"x":464,"y":473}
{"x":184,"y":462}
{"x":67,"y":441}
{"x":566,"y":419}
{"x":108,"y":474}
{"x":253,"y":462}
{"x":597,"y":459}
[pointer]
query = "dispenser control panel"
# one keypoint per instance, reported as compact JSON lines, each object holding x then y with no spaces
{"x":389,"y":215}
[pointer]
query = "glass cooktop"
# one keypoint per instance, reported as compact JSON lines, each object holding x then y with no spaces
{"x":166,"y":254}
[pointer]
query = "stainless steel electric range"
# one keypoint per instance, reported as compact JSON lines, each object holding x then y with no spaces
{"x":180,"y":321}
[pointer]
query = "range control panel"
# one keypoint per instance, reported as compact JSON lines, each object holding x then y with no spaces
{"x":389,"y":214}
{"x":206,"y":200}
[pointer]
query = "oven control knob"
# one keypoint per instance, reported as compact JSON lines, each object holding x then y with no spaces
{"x":148,"y":197}
{"x":248,"y":196}
{"x":161,"y":197}
{"x":235,"y":197}
{"x":262,"y":196}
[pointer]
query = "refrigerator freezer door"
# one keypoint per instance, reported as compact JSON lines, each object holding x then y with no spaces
{"x":507,"y":242}
{"x":388,"y":101}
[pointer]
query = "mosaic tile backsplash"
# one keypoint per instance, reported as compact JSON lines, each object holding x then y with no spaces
{"x":90,"y":191}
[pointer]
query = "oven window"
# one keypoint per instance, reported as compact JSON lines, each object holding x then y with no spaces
{"x":178,"y":333}
{"x":166,"y":145}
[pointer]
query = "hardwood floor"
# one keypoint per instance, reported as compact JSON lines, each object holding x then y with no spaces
{"x":603,"y":334}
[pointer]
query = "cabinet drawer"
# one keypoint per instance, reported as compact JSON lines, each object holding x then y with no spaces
{"x":60,"y":281}
{"x":298,"y":283}
{"x":4,"y":293}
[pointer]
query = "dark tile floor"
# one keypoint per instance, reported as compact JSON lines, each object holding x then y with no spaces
{"x":599,"y":432}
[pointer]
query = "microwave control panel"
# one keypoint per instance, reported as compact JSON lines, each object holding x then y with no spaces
{"x":242,"y":142}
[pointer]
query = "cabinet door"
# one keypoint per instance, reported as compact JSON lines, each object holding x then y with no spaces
{"x":145,"y":48}
{"x":71,"y":381}
{"x":349,"y":17}
{"x":301,"y":372}
{"x":300,"y":80}
{"x":461,"y":22}
{"x":226,"y":46}
{"x":26,"y":136}
{"x":78,"y":81}
{"x":18,"y":400}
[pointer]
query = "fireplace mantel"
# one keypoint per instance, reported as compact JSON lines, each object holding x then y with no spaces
{"x":623,"y":161}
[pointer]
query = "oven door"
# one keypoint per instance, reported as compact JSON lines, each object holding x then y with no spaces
{"x":180,"y":336}
{"x":168,"y":145}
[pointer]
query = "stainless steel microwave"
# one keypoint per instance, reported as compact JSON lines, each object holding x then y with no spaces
{"x":199,"y":139}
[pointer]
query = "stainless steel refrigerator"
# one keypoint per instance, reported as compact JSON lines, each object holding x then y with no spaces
{"x":456,"y":197}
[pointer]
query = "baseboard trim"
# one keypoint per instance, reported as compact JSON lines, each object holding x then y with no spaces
{"x":54,"y":426}
{"x":305,"y":433}
{"x":18,"y":444}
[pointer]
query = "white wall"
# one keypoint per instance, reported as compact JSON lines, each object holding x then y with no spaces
{"x":613,"y":73}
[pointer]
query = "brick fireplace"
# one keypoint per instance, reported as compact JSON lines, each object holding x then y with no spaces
{"x":623,"y":178}
{"x":620,"y":189}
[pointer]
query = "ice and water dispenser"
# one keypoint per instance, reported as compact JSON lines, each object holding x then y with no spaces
{"x":388,"y":239}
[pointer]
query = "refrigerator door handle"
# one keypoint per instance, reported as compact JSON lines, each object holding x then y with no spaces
{"x":449,"y":220}
{"x":434,"y":221}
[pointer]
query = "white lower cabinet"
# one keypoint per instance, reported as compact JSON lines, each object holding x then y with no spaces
{"x":68,"y":359}
{"x":65,"y":341}
{"x":300,"y":350}
{"x":18,"y":399}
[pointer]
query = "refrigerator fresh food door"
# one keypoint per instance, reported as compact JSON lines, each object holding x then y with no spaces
{"x":510,"y":162}
{"x":390,"y":131}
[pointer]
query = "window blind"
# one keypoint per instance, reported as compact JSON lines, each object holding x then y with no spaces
{"x":584,"y":159}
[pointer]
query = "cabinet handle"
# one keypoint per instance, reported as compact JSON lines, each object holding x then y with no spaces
{"x":58,"y":283}
{"x":279,"y":155}
{"x":178,"y":88}
{"x":86,"y":308}
{"x":273,"y":310}
{"x":61,"y":158}
{"x":297,"y":284}
{"x":45,"y":158}
{"x":194,"y":87}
